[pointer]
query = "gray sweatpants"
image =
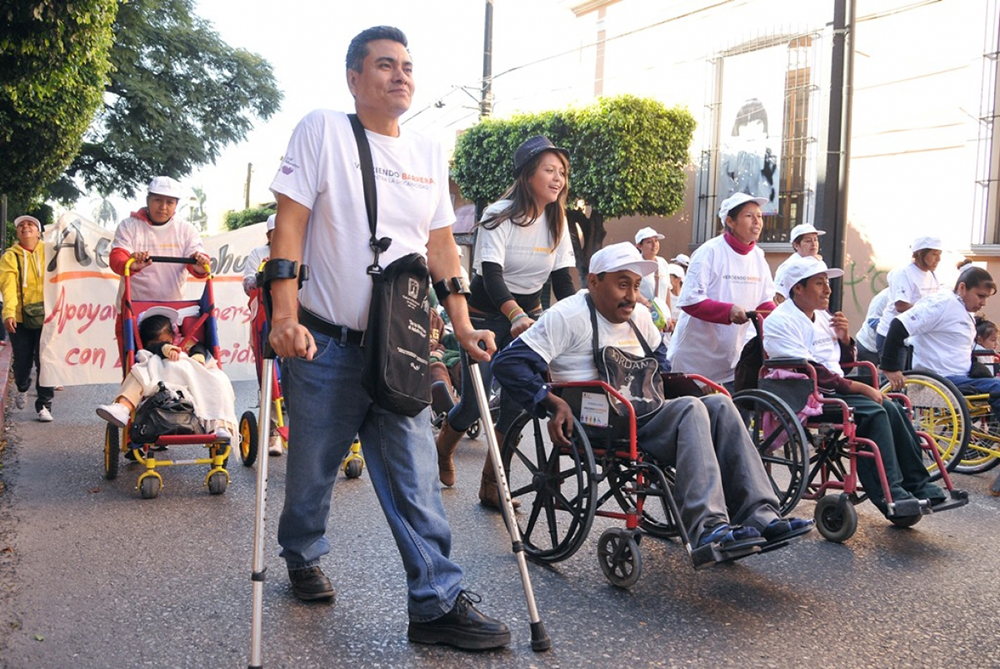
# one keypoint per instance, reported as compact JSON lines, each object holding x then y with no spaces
{"x":720,"y":477}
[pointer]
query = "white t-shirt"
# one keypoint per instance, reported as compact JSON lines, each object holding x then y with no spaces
{"x":564,"y":338}
{"x":866,"y":334}
{"x":650,"y":287}
{"x":717,"y":272}
{"x":524,"y":252}
{"x":159,"y":281}
{"x":942,"y":332}
{"x":252,"y":264}
{"x":909,"y":284}
{"x":322,"y":171}
{"x":789,"y":333}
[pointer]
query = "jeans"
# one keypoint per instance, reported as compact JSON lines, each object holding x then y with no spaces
{"x":26,"y":344}
{"x":991,"y":386}
{"x":327,"y":407}
{"x":720,"y":477}
{"x":466,"y":412}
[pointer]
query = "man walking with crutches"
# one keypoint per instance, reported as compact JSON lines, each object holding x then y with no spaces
{"x":318,"y":333}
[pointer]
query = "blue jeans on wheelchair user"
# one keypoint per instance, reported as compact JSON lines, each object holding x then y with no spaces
{"x":466,"y":412}
{"x":991,"y":386}
{"x":328,"y":406}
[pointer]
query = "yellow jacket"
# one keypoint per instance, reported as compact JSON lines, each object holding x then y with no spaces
{"x":31,"y":283}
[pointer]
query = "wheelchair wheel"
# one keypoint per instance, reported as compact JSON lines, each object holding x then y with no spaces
{"x":657,"y":517}
{"x":248,"y":438}
{"x":780,"y":440}
{"x":112,"y":449}
{"x":836,"y":518}
{"x":556,"y":486}
{"x":940,"y":410}
{"x":619,"y":557}
{"x":980,"y":455}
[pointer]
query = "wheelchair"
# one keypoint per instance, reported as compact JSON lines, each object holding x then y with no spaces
{"x":198,"y":325}
{"x":602,"y":473}
{"x":352,"y":466}
{"x":832,"y":479}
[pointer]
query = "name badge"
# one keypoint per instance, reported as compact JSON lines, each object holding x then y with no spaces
{"x":594,"y":409}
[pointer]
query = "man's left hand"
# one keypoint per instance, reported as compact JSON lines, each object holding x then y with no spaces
{"x":841,"y":327}
{"x":470,"y":339}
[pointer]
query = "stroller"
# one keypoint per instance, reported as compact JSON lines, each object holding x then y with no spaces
{"x":198,"y":325}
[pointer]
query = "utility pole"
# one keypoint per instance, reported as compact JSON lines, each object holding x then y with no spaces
{"x":486,"y":103}
{"x":246,"y":188}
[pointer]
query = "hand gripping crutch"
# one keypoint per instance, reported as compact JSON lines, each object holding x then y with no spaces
{"x":277,"y":271}
{"x":539,"y":638}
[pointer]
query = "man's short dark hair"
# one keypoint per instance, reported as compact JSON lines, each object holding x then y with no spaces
{"x":358,"y":50}
{"x":975,"y":277}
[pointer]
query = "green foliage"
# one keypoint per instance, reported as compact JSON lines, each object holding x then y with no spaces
{"x":53,"y":69}
{"x":628,"y":157}
{"x":240,"y":219}
{"x":178,"y":95}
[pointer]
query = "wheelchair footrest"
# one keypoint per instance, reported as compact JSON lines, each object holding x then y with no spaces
{"x":910,"y":507}
{"x":956,"y":499}
{"x":711,"y":554}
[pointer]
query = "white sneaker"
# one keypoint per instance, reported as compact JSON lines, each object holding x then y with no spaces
{"x":45,"y":416}
{"x":223,"y":434}
{"x":19,"y":399}
{"x":116,"y":414}
{"x":274,"y":446}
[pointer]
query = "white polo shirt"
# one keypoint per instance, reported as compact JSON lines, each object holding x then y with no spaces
{"x":789,"y":333}
{"x":907,"y":284}
{"x":717,"y":272}
{"x":942,"y":332}
{"x":321,"y":171}
{"x":866,"y":333}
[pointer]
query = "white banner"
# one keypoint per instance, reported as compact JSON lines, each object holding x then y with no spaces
{"x":78,"y":338}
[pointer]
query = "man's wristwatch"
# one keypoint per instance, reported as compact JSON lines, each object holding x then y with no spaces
{"x":454,"y":285}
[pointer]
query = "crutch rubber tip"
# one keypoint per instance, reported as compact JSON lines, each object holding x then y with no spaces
{"x":540,"y":640}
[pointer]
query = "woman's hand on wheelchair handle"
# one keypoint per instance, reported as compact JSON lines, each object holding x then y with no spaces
{"x":290,"y":339}
{"x":896,"y":380}
{"x":560,"y":420}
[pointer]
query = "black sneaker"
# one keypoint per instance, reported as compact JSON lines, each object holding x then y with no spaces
{"x":310,"y":584}
{"x":463,"y":627}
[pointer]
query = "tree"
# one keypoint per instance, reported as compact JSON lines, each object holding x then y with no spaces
{"x":628,"y":157}
{"x":177,"y":96}
{"x":53,"y":69}
{"x":240,"y":219}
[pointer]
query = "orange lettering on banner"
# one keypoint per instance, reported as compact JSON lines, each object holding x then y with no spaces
{"x":85,"y":312}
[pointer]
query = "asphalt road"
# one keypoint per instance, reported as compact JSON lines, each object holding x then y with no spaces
{"x":93,"y":576}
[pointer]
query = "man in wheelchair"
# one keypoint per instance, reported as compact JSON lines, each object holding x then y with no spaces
{"x":802,"y":328}
{"x":723,"y":492}
{"x":942,"y":330}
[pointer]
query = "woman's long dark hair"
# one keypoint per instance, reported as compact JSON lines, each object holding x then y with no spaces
{"x":522,"y":210}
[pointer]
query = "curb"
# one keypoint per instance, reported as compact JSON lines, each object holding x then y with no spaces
{"x":5,"y":358}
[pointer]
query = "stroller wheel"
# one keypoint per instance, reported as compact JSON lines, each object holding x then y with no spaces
{"x":353,"y":468}
{"x":217,"y":483}
{"x":248,"y":438}
{"x":112,"y":448}
{"x":149,"y":487}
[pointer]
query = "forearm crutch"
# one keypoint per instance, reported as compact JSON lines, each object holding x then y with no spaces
{"x":539,"y":638}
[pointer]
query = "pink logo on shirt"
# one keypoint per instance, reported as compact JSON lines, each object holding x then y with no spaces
{"x":287,"y":169}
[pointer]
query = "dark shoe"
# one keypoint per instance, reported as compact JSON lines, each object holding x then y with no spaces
{"x":784,"y":529}
{"x":310,"y":584}
{"x":463,"y":627}
{"x":731,"y":538}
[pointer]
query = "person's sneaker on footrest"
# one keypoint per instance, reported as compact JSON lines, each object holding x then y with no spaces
{"x":463,"y":627}
{"x":783,"y":529}
{"x":222,"y":434}
{"x":116,"y":414}
{"x":310,"y":584}
{"x":730,"y":538}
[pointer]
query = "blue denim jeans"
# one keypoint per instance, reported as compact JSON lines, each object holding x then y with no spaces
{"x":327,"y":407}
{"x":991,"y":386}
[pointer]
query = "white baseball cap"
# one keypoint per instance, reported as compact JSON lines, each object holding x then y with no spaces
{"x":925,"y":242}
{"x":166,"y":186}
{"x":804,"y":229}
{"x":32,"y":219}
{"x":682,"y":259}
{"x":797,"y":268}
{"x":673,"y":269}
{"x":646,"y":233}
{"x":270,"y":222}
{"x":735,"y":200}
{"x":619,"y":257}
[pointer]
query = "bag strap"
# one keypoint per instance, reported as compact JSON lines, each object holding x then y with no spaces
{"x":377,"y":245}
{"x":593,"y":322}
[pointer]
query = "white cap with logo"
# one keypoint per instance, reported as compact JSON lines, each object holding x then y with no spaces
{"x":926,"y":242}
{"x":166,"y":186}
{"x":646,"y":233}
{"x":797,"y":268}
{"x":619,"y":257}
{"x":804,"y":229}
{"x":270,"y":222}
{"x":735,"y":200}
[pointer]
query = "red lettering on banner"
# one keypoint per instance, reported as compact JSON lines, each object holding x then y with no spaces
{"x":87,"y":312}
{"x":95,"y":357}
{"x":241,"y":314}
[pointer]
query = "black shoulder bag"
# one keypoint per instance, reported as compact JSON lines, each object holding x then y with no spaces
{"x":162,"y":413}
{"x":638,"y":379}
{"x":396,"y":345}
